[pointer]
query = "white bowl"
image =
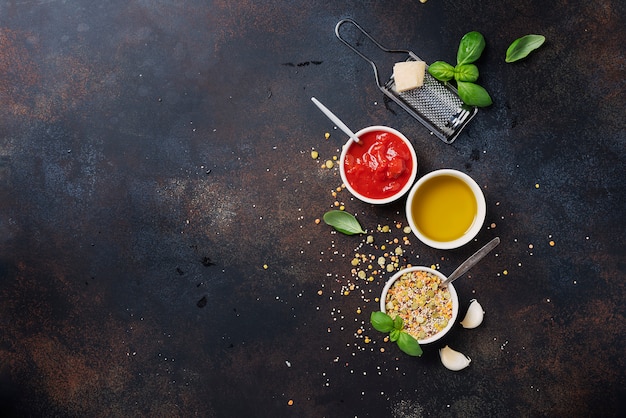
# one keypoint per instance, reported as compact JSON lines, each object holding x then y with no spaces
{"x":453,"y":295}
{"x":474,"y":228}
{"x":395,"y":196}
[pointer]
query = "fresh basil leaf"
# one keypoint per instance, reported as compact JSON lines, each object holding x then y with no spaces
{"x":381,"y":321}
{"x":441,"y":70}
{"x":343,"y":222}
{"x":466,"y":72}
{"x":521,"y":47}
{"x":471,"y":46}
{"x":473,"y":94}
{"x":398,"y":323}
{"x":394,"y":335}
{"x":408,"y":344}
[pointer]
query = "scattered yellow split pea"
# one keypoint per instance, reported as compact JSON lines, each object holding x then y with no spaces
{"x":367,"y":340}
{"x":329,"y":164}
{"x":265,"y":266}
{"x":315,"y":155}
{"x":536,"y":185}
{"x":327,"y":135}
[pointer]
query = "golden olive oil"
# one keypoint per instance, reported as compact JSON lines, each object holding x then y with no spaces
{"x":444,"y":208}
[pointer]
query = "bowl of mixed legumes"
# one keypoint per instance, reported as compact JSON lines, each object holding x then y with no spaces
{"x":427,"y":308}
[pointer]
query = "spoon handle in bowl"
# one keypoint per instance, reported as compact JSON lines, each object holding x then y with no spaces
{"x":336,"y":120}
{"x":470,"y":262}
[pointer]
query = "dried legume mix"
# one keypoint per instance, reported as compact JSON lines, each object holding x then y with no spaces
{"x":423,"y":304}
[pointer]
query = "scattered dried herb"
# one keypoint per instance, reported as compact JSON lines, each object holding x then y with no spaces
{"x":206,"y":262}
{"x":202,"y":302}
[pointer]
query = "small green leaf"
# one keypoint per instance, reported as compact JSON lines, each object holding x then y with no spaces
{"x":398,"y":323}
{"x":408,"y":344}
{"x":521,"y":47}
{"x":470,"y":48}
{"x":343,"y":222}
{"x":441,"y":70}
{"x":394,"y":335}
{"x":381,"y":321}
{"x":466,"y":72}
{"x":473,"y":94}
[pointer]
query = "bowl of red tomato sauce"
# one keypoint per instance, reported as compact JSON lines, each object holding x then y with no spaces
{"x":380,"y":168}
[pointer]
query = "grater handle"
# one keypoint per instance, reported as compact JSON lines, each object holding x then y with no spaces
{"x":374,"y":41}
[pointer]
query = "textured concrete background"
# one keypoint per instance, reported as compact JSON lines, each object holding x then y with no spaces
{"x":159,"y":254}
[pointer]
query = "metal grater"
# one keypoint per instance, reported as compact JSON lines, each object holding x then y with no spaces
{"x":436,"y":105}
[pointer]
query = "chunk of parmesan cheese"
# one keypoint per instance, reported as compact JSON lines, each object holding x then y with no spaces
{"x":409,"y":75}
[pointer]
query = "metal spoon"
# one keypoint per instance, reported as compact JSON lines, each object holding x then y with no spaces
{"x":335,"y":119}
{"x":470,"y":262}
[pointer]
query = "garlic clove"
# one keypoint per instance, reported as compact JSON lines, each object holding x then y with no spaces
{"x":453,"y":360}
{"x":474,"y":315}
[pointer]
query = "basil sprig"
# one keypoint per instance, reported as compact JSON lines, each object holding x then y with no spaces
{"x":406,"y":342}
{"x":465,"y":73}
{"x":521,"y":47}
{"x":470,"y":48}
{"x":343,"y":222}
{"x":473,"y":94}
{"x":441,"y":70}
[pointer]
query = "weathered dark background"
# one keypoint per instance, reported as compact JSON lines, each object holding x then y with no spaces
{"x":159,"y":254}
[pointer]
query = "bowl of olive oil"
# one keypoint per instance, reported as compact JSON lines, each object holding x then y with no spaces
{"x":446,"y":209}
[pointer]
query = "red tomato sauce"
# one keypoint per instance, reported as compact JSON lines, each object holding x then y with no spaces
{"x":380,"y":166}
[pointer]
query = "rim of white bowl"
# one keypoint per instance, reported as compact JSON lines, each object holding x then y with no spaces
{"x":453,"y":295}
{"x":479,"y":220}
{"x":404,"y":189}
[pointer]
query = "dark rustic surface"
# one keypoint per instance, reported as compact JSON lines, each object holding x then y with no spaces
{"x":159,"y":254}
